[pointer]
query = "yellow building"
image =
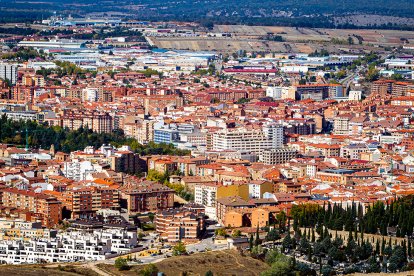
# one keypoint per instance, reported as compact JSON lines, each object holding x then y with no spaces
{"x":241,"y":190}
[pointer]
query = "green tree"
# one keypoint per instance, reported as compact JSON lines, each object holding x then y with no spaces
{"x":149,"y":270}
{"x":179,"y":249}
{"x":221,"y":232}
{"x":121,"y":264}
{"x":327,"y":270}
{"x":209,"y":273}
{"x":236,"y":233}
{"x":273,"y":235}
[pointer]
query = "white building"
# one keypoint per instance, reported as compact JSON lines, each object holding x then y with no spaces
{"x":252,"y":140}
{"x":78,"y":170}
{"x":277,"y":92}
{"x":74,"y":246}
{"x":8,"y":72}
{"x":355,"y":95}
{"x":206,"y":195}
{"x":54,"y":43}
{"x":90,"y":94}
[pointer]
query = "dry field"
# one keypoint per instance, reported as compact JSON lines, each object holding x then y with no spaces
{"x":227,"y":262}
{"x":42,"y":270}
{"x":304,"y":40}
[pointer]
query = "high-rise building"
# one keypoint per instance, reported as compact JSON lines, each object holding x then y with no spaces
{"x":274,"y":132}
{"x":8,"y":72}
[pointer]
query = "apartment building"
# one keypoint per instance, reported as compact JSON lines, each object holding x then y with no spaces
{"x":85,"y":201}
{"x":353,"y":151}
{"x":144,"y":131}
{"x":180,"y":225}
{"x":277,"y":156}
{"x":258,"y":187}
{"x":382,"y":87}
{"x":8,"y":72}
{"x":252,"y":140}
{"x":228,"y":204}
{"x":146,"y":197}
{"x":74,"y":246}
{"x":206,"y":195}
{"x":341,"y":125}
{"x":46,"y":208}
{"x":100,"y":122}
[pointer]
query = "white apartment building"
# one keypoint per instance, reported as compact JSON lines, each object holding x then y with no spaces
{"x":90,"y":94}
{"x":71,"y":246}
{"x":8,"y":72}
{"x":254,"y":140}
{"x":341,"y":125}
{"x":206,"y":195}
{"x":277,"y":92}
{"x":78,"y":170}
{"x":274,"y":132}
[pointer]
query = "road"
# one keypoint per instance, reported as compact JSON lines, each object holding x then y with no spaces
{"x":348,"y":80}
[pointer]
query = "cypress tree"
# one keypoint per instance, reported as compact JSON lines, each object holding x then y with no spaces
{"x":377,"y":248}
{"x":257,"y":236}
{"x":313,"y":235}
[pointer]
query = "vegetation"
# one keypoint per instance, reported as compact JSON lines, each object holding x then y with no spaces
{"x":121,"y":264}
{"x":313,"y":13}
{"x":42,"y":136}
{"x":164,"y":178}
{"x":378,"y":218}
{"x":282,"y":265}
{"x":149,"y":270}
{"x":22,"y":54}
{"x":179,"y":249}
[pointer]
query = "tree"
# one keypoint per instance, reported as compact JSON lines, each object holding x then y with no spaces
{"x":221,"y":232}
{"x":209,"y":273}
{"x":287,"y":242}
{"x":372,"y":74}
{"x":236,"y":233}
{"x":149,"y":270}
{"x":151,"y":216}
{"x":121,"y":264}
{"x":373,"y":266}
{"x":179,"y":249}
{"x":257,"y":241}
{"x":273,"y":235}
{"x":327,"y":270}
{"x":278,"y":268}
{"x":304,"y":244}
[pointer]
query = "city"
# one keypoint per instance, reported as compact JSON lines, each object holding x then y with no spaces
{"x":133,"y":147}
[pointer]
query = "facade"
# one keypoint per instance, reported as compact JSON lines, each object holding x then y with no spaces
{"x":278,"y":155}
{"x":166,"y":135}
{"x":74,"y":246}
{"x":341,"y":125}
{"x":206,"y":195}
{"x":8,"y":72}
{"x":254,"y":140}
{"x":180,"y":225}
{"x":147,"y":198}
{"x":46,"y":208}
{"x":84,"y":202}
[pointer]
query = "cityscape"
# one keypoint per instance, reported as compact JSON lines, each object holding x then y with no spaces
{"x":231,"y":141}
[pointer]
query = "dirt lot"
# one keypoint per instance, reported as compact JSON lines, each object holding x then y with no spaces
{"x":39,"y":270}
{"x":227,"y":262}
